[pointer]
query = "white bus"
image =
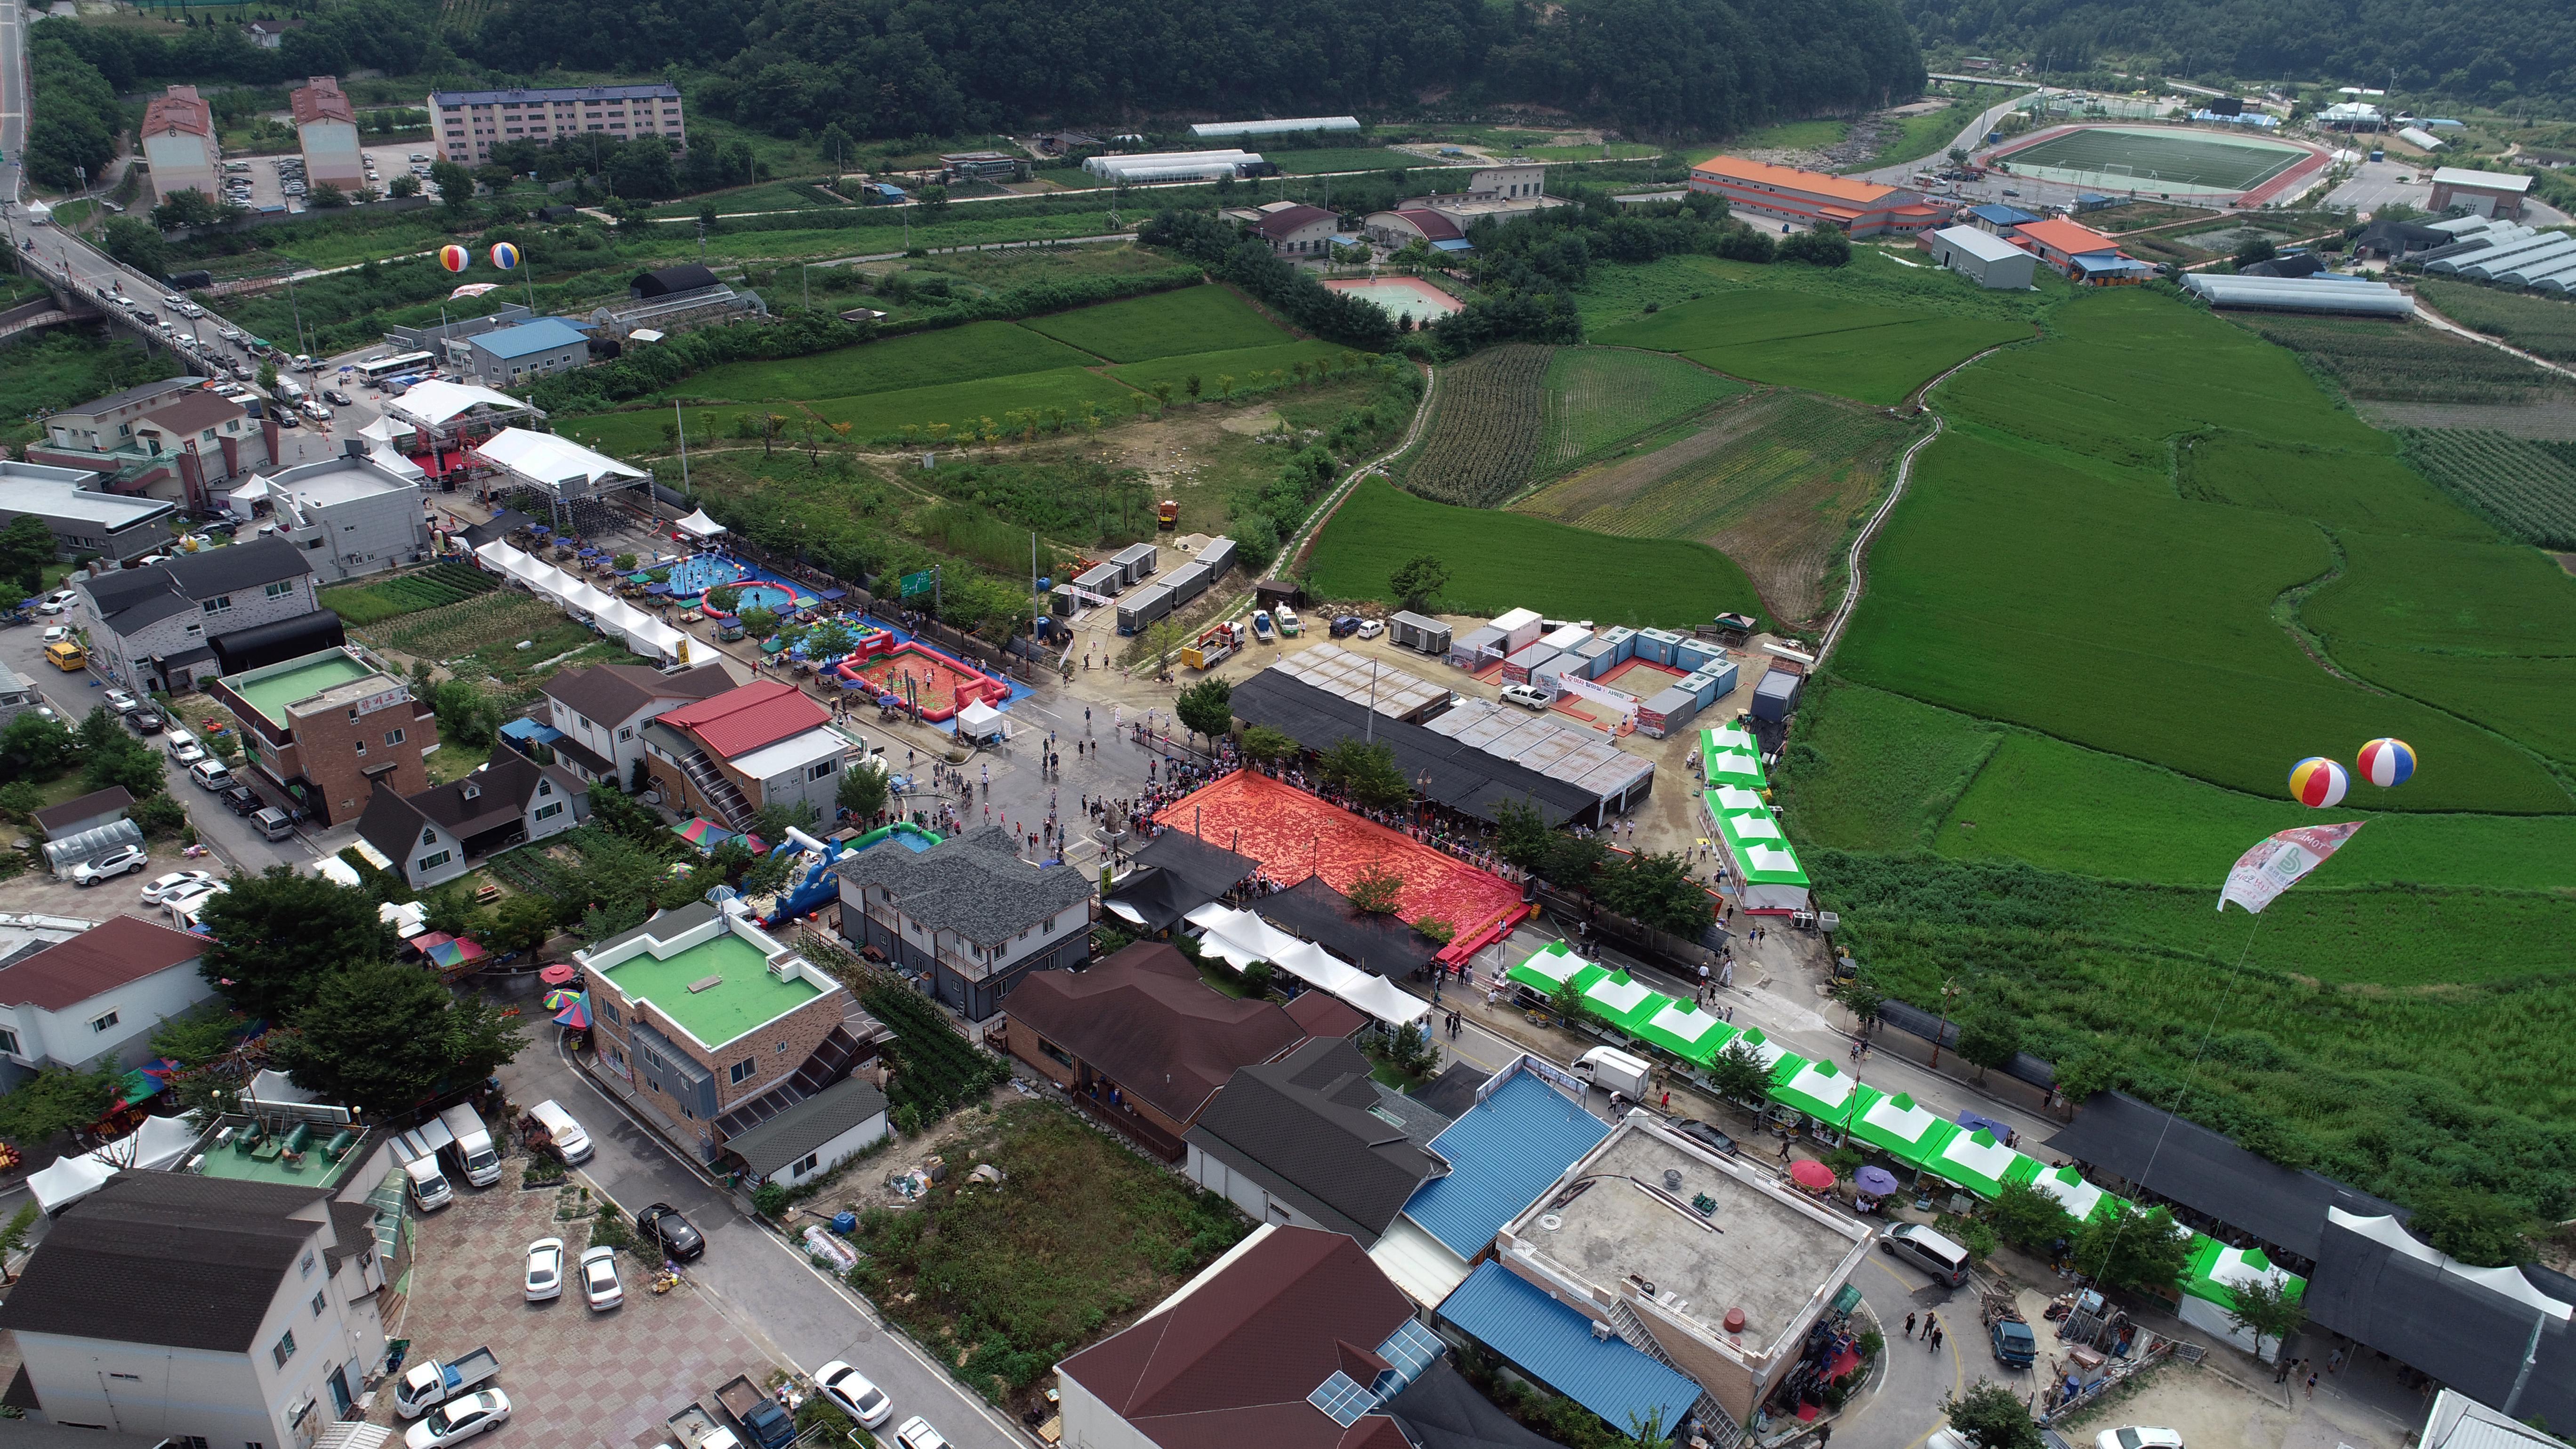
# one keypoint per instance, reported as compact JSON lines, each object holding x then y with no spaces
{"x":395,"y":365}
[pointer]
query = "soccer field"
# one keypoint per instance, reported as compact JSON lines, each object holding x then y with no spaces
{"x":2155,"y":160}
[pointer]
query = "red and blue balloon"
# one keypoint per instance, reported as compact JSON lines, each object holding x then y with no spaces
{"x":2320,"y":783}
{"x":2386,"y":763}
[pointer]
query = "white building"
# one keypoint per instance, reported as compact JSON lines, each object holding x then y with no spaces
{"x":815,"y":1135}
{"x":355,"y":514}
{"x":600,"y":712}
{"x":96,"y":997}
{"x":152,"y":627}
{"x":179,"y":144}
{"x":1982,"y":257}
{"x":435,"y":835}
{"x":86,"y":520}
{"x":326,"y":126}
{"x":204,"y":1309}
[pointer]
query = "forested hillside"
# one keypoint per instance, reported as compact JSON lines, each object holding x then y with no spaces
{"x":2490,"y":52}
{"x":898,"y":67}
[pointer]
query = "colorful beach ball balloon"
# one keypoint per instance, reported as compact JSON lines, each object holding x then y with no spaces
{"x":453,"y":257}
{"x":2318,"y":783}
{"x":504,"y":255}
{"x":2386,"y":762}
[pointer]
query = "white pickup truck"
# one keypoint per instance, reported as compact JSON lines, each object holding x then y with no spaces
{"x":430,"y":1382}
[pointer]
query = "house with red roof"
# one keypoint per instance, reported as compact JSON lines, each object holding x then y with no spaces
{"x":766,"y":743}
{"x":2080,"y":252}
{"x":1410,"y":224}
{"x":326,"y":127}
{"x":1785,"y":193}
{"x":1293,"y":228}
{"x":96,"y":997}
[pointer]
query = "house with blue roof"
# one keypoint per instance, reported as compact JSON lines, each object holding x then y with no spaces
{"x":514,"y":356}
{"x":1998,"y":219}
{"x":1522,"y":1134}
{"x":1549,"y":1343}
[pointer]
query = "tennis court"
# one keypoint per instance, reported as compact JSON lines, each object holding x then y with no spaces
{"x":2160,"y":160}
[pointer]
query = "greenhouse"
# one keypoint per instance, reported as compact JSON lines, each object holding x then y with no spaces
{"x":2302,"y":294}
{"x":1171,"y":166}
{"x":1211,"y":130}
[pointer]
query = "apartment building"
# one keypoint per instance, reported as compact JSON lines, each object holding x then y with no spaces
{"x":969,"y":913}
{"x":155,"y":627}
{"x":326,"y":126}
{"x":179,"y":144}
{"x":327,"y":726}
{"x":350,"y":515}
{"x":471,"y":123}
{"x":172,"y":440}
{"x":716,"y":1026}
{"x":199,"y":1311}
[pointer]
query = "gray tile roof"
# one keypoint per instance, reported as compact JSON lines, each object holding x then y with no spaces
{"x":129,"y":599}
{"x":607,"y":694}
{"x":1304,"y":1128}
{"x":166,"y":1258}
{"x":661,"y":928}
{"x":807,"y":1125}
{"x":974,"y":884}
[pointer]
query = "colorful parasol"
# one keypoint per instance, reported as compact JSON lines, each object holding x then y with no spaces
{"x":701,"y":832}
{"x":558,"y":973}
{"x":561,"y":997}
{"x":452,"y":951}
{"x":575,"y":1013}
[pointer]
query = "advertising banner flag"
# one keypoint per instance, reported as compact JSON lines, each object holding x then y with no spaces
{"x":916,"y":583}
{"x":2280,"y":861}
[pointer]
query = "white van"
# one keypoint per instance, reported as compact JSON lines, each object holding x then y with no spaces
{"x":570,"y":1140}
{"x":291,"y":390}
{"x":1613,"y":1070}
{"x":429,"y":1189}
{"x":471,"y":1142}
{"x":1946,"y":1261}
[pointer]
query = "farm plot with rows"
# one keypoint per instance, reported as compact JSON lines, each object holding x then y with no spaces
{"x":2523,"y":486}
{"x":1775,"y":482}
{"x":1601,"y":399}
{"x":2406,"y":362}
{"x":1486,"y":426}
{"x":1501,"y":560}
{"x":458,"y":630}
{"x":362,"y":604}
{"x":1191,"y":319}
{"x":2539,"y":325}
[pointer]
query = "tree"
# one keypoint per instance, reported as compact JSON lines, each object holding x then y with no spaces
{"x":1993,"y":1417}
{"x":14,"y":1237}
{"x":268,"y":377}
{"x":1368,"y":772}
{"x":1738,"y":1075}
{"x":1417,"y":581}
{"x":2255,"y":249}
{"x":758,"y":622}
{"x":110,"y":756}
{"x":381,"y":1037}
{"x":1989,"y":1038}
{"x":864,"y":790}
{"x":1521,"y":835}
{"x":187,"y":207}
{"x":2026,"y":1217}
{"x":1958,"y":153}
{"x":2478,"y":1228}
{"x":455,"y":186}
{"x":1657,"y":891}
{"x":1411,"y":1052}
{"x":1207,"y":707}
{"x":279,"y":933}
{"x":2132,"y":1247}
{"x":1261,"y":742}
{"x":326,"y":197}
{"x":26,"y":546}
{"x":1859,"y":998}
{"x":58,"y":1099}
{"x":35,"y":748}
{"x":137,"y":244}
{"x":522,"y":923}
{"x":405,"y":185}
{"x":2265,"y":1309}
{"x":1376,"y":890}
{"x":1823,"y":246}
{"x":1567,"y":1001}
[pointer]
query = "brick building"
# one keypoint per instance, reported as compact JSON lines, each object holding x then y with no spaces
{"x":1785,"y":193}
{"x":470,"y":123}
{"x":327,"y":727}
{"x":717,"y":1027}
{"x":172,"y":440}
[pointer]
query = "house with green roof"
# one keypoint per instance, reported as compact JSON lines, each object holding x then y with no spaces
{"x":329,"y":727}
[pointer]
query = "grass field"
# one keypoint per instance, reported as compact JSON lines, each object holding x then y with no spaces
{"x":1500,"y":561}
{"x":1787,"y":136}
{"x":878,"y":415}
{"x":1341,"y":158}
{"x":2158,"y":160}
{"x":767,"y":196}
{"x":1599,"y":398}
{"x":1165,"y":324}
{"x":951,"y":354}
{"x":1618,"y":293}
{"x":1874,"y":771}
{"x":1775,"y":482}
{"x":1243,"y":364}
{"x":1854,"y":348}
{"x":2540,"y":325}
{"x":2526,"y":488}
{"x":2335,"y":487}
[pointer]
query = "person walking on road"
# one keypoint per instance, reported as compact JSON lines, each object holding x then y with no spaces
{"x":1909,"y":1325}
{"x":1936,"y":1340}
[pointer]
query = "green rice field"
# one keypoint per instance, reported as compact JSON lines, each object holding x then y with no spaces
{"x":1600,"y":397}
{"x":1863,"y":350}
{"x":1499,"y":561}
{"x":1242,"y":364}
{"x":951,"y":354}
{"x":2159,"y":159}
{"x":1165,"y":324}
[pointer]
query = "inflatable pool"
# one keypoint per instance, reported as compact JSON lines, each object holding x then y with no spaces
{"x":692,"y":577}
{"x":916,"y":676}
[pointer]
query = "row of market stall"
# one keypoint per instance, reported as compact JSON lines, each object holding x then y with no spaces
{"x":644,"y":634}
{"x":1759,"y":858}
{"x":1830,"y":1105}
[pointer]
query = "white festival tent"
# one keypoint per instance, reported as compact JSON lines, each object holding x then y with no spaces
{"x":698,"y":525}
{"x":156,"y":1144}
{"x":643,"y":633}
{"x":1243,"y":938}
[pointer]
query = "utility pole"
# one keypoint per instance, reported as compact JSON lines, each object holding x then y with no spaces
{"x":682,"y":419}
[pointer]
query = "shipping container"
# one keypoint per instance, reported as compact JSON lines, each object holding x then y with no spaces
{"x":1105,"y":580}
{"x":1623,"y":646}
{"x":1776,"y":695}
{"x":1656,"y":646}
{"x":1187,"y":582}
{"x":1520,"y":629}
{"x":1666,"y":712}
{"x":1516,"y":668}
{"x":1420,"y":634}
{"x":1143,"y":607}
{"x":1475,"y":650}
{"x":1218,"y":556}
{"x":1137,"y":562}
{"x":1692,"y":655}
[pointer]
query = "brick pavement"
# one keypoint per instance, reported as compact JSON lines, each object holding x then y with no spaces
{"x":575,"y":1378}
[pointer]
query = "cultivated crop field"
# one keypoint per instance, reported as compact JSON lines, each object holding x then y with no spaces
{"x":951,"y":354}
{"x":1191,"y":319}
{"x":2389,"y":361}
{"x":1247,"y":366}
{"x":1602,"y":398}
{"x":2345,"y":489}
{"x":2540,"y":325}
{"x":1864,"y":350}
{"x":438,"y":585}
{"x":1499,"y":561}
{"x":1489,"y":418}
{"x":460,"y":629}
{"x":1775,"y":482}
{"x":2526,"y":488}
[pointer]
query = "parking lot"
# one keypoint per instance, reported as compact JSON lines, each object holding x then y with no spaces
{"x":574,"y":1377}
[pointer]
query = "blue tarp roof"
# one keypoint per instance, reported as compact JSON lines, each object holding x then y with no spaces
{"x":1454,"y":244}
{"x":528,"y":729}
{"x":2002,"y":215}
{"x":1501,"y":1156}
{"x":1554,"y":1345}
{"x":543,"y":335}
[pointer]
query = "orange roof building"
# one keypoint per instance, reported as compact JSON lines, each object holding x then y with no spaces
{"x":2081,"y":252}
{"x":1862,"y":208}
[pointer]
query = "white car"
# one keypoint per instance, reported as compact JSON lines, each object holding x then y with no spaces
{"x":177,"y":882}
{"x":124,"y":860}
{"x":545,"y":1270}
{"x":228,"y":334}
{"x":599,"y":1285}
{"x":2137,"y":1437}
{"x":1528,"y":696}
{"x":57,"y":601}
{"x":193,"y":898}
{"x":458,"y":1420}
{"x":186,"y":751}
{"x":211,"y":775}
{"x":853,"y":1394}
{"x":916,"y":1433}
{"x":122,"y":701}
{"x":58,"y":633}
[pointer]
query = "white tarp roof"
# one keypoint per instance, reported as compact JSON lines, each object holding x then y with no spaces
{"x":643,"y":633}
{"x":2507,"y":1281}
{"x":437,"y":402}
{"x":408,"y":919}
{"x":979,"y":719}
{"x":1242,"y":938}
{"x":383,"y":455}
{"x":67,"y":1181}
{"x":698,"y":525}
{"x":156,"y":1144}
{"x":548,"y":459}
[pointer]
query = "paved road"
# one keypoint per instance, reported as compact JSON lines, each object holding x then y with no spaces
{"x":1971,"y":137}
{"x":768,"y":1290}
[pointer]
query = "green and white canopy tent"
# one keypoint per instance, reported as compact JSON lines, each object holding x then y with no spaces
{"x":1728,"y":755}
{"x":1978,"y":1162}
{"x":1681,"y":1028}
{"x":1763,"y":1048}
{"x":1624,"y":1003}
{"x":1820,"y":1089}
{"x":1546,"y":970}
{"x":1759,"y":855}
{"x":2081,"y":1199}
{"x":1900,"y":1126}
{"x":2209,"y":1284}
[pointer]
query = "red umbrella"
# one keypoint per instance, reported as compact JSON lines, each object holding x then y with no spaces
{"x":556,"y":975}
{"x":1809,"y":1173}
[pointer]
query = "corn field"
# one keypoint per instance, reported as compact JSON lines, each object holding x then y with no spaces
{"x":1483,"y":443}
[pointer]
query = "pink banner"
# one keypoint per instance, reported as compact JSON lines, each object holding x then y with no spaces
{"x":2280,"y":861}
